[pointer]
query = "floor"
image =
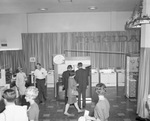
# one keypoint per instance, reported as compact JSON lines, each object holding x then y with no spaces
{"x":122,"y":108}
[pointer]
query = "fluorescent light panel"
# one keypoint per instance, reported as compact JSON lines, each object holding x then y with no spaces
{"x":5,"y":49}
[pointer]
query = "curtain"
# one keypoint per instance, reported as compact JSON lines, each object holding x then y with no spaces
{"x":106,"y":49}
{"x":144,"y":82}
{"x":11,"y":59}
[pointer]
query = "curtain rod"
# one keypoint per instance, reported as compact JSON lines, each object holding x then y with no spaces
{"x":106,"y":52}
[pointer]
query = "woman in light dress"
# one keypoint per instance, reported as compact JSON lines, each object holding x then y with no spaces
{"x":21,"y":79}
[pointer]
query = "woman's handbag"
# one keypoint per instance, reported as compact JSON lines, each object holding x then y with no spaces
{"x":74,"y":92}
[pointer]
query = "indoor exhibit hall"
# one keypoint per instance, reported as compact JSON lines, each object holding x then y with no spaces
{"x":74,"y":60}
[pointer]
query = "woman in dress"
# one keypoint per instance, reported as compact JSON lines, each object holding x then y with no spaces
{"x":71,"y":97}
{"x":33,"y":110}
{"x":21,"y":79}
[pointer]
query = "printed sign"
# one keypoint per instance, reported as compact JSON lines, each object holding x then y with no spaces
{"x":32,"y":59}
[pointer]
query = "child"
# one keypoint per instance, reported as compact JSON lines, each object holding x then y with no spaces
{"x":33,"y":111}
{"x":71,"y":98}
{"x":101,"y":110}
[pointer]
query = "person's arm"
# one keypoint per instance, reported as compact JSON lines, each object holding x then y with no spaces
{"x":34,"y":77}
{"x":25,"y":77}
{"x":2,"y":117}
{"x":17,"y":81}
{"x":76,"y":77}
{"x":46,"y":80}
{"x":89,"y":118}
{"x":45,"y":72}
{"x":86,"y":77}
{"x":63,"y":80}
{"x":71,"y":84}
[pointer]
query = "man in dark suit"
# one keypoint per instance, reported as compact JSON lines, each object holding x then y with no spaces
{"x":65,"y":77}
{"x":82,"y":79}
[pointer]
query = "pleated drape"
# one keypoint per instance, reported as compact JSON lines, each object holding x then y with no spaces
{"x":100,"y":46}
{"x":12,"y":59}
{"x":144,"y":82}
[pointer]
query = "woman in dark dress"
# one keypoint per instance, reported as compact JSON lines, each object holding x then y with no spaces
{"x":71,"y":98}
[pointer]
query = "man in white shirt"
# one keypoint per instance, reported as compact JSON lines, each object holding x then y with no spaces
{"x":12,"y":112}
{"x":41,"y":81}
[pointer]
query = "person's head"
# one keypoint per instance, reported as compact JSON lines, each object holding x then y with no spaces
{"x":10,"y":70}
{"x":100,"y":89}
{"x":80,"y":65}
{"x":72,"y":73}
{"x":69,"y":67}
{"x":38,"y":65}
{"x":31,"y":93}
{"x":19,"y":69}
{"x":9,"y":96}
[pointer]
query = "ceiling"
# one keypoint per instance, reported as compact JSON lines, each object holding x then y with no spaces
{"x":58,"y":6}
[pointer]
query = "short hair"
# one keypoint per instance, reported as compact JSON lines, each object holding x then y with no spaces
{"x":19,"y":68}
{"x":72,"y":73}
{"x":80,"y":64}
{"x":9,"y":95}
{"x":100,"y":88}
{"x":31,"y":92}
{"x":38,"y":64}
{"x":69,"y":67}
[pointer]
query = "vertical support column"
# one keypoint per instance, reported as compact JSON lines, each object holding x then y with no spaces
{"x":144,"y":70}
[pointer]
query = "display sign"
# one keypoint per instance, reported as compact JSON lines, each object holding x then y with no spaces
{"x":32,"y":59}
{"x":59,"y":59}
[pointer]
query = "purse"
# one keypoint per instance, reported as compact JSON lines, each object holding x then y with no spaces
{"x":74,"y":92}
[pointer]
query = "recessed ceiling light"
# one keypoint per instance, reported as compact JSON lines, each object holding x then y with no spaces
{"x":92,"y":7}
{"x":43,"y":9}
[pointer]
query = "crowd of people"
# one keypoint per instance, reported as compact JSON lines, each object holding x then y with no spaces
{"x":14,"y":112}
{"x":75,"y":85}
{"x":20,"y":102}
{"x":78,"y":80}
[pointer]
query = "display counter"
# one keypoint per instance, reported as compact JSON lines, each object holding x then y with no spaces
{"x":95,"y":77}
{"x":108,"y":77}
{"x":131,"y":88}
{"x":120,"y":77}
{"x":50,"y":78}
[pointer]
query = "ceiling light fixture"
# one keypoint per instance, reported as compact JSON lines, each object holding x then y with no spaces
{"x":92,"y":7}
{"x":43,"y":9}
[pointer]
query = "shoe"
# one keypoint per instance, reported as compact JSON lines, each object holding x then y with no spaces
{"x":69,"y":115}
{"x":41,"y":102}
{"x":140,"y":119}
